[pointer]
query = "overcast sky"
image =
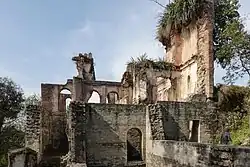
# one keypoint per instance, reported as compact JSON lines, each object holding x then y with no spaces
{"x":38,"y":38}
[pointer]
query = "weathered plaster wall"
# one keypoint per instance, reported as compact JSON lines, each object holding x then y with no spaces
{"x":186,"y":154}
{"x":189,"y":46}
{"x":106,"y":132}
{"x":188,"y":81}
{"x":183,"y":53}
{"x":153,"y":85}
{"x":196,"y":40}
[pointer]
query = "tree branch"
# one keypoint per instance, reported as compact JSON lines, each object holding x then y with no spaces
{"x":158,"y":3}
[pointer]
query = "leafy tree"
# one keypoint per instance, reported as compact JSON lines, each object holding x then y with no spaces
{"x":12,"y":117}
{"x":227,"y":19}
{"x":11,"y":103}
{"x":11,"y":100}
{"x":19,"y":122}
{"x":231,"y":41}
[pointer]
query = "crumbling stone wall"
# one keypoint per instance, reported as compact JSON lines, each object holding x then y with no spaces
{"x":77,"y":133}
{"x":106,"y":132}
{"x":53,"y":137}
{"x":82,"y":90}
{"x":185,"y":154}
{"x":32,"y":130}
{"x":170,"y":120}
{"x":146,"y":85}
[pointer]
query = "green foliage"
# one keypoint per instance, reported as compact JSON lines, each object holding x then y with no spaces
{"x":3,"y":160}
{"x":10,"y":138}
{"x":233,"y":106}
{"x":233,"y":99}
{"x":231,"y":41}
{"x":227,"y":19}
{"x":33,"y":99}
{"x":242,"y":132}
{"x":177,"y":15}
{"x":143,"y":62}
{"x":12,"y":103}
{"x":11,"y":100}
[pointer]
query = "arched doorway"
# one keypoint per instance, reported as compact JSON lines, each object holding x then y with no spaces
{"x":112,"y":97}
{"x":134,"y":145}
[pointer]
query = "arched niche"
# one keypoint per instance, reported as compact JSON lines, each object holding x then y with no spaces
{"x":95,"y":97}
{"x":65,"y":98}
{"x":134,"y":145}
{"x":112,"y":97}
{"x":68,"y":100}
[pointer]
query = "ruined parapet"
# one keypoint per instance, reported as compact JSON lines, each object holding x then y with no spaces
{"x":126,"y":88}
{"x":85,"y":66}
{"x":77,"y":134}
{"x":150,"y":78}
{"x":32,"y":130}
{"x":23,"y":157}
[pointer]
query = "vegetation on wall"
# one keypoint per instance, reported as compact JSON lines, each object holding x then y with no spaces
{"x":143,"y":62}
{"x":233,"y":107}
{"x":178,"y":15}
{"x":230,"y":37}
{"x":241,"y":134}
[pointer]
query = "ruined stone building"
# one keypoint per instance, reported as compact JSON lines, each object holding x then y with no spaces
{"x":158,"y":115}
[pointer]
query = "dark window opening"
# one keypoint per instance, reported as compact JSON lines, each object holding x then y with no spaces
{"x":194,"y":131}
{"x":134,"y":145}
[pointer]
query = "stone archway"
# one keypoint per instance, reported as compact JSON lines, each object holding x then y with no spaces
{"x":112,"y":97}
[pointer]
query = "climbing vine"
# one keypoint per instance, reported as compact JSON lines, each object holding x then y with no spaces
{"x":178,"y":14}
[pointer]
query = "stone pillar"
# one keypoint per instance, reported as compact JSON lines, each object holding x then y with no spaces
{"x":205,"y":70}
{"x":77,"y":132}
{"x":77,"y":89}
{"x":32,"y":131}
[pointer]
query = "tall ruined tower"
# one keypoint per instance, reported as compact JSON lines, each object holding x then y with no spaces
{"x":189,"y":45}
